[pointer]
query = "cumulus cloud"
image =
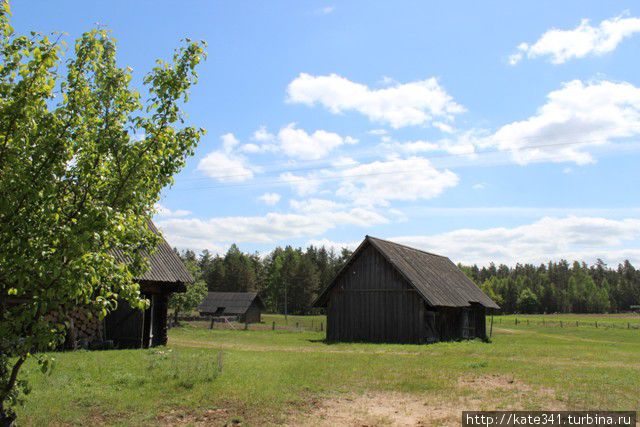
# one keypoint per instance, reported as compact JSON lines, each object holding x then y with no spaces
{"x":550,"y":238}
{"x":225,"y":165}
{"x":164,"y":212}
{"x":302,"y":185}
{"x":270,"y":198}
{"x":464,"y":143}
{"x":330,"y":244}
{"x":584,"y":40}
{"x":576,"y":116}
{"x":324,"y":10}
{"x":378,"y":182}
{"x":297,"y":143}
{"x":263,"y":135}
{"x":307,"y":218}
{"x":264,"y":142}
{"x":422,"y":102}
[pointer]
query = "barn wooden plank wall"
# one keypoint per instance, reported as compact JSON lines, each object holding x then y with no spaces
{"x":373,"y":302}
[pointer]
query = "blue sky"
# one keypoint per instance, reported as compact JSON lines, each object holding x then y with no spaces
{"x":503,"y":131}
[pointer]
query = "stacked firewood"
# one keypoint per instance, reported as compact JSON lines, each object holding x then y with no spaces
{"x":86,"y":327}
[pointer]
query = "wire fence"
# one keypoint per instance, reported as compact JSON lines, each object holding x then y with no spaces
{"x":235,"y":324}
{"x":302,"y":324}
{"x":568,"y":323}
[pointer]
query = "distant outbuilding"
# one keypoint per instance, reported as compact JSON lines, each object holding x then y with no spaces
{"x":388,"y":292}
{"x":247,"y":306}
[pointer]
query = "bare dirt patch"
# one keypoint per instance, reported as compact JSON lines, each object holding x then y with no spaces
{"x":211,"y":417}
{"x":390,"y":408}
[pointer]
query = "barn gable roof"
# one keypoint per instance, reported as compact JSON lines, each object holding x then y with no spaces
{"x":435,"y":277}
{"x":229,"y":303}
{"x":165,"y":266}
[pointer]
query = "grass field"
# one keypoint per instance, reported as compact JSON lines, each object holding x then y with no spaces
{"x":294,"y":378}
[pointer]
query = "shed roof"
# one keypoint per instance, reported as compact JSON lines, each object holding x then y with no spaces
{"x":435,"y":277}
{"x":165,"y":266}
{"x":229,"y":303}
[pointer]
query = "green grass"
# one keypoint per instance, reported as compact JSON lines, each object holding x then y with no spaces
{"x":622,"y":320}
{"x":269,"y":374}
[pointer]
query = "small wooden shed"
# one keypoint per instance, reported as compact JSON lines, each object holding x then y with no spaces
{"x":246,"y":306}
{"x":130,"y":328}
{"x":388,"y":292}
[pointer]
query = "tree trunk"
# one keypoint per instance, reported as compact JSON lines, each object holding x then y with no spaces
{"x":7,"y":416}
{"x":6,"y":420}
{"x":175,"y":317}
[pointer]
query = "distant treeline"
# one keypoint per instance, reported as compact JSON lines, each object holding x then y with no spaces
{"x":560,"y":287}
{"x":299,"y":275}
{"x":294,"y":273}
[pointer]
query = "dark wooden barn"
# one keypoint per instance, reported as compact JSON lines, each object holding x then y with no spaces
{"x":392,"y":293}
{"x":246,"y":306}
{"x":130,"y":328}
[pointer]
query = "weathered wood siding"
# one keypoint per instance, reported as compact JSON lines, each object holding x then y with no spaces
{"x":372,"y":302}
{"x":253,"y":313}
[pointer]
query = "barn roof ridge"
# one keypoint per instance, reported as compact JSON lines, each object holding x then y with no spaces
{"x":438,"y":280}
{"x":165,"y":266}
{"x":406,"y":246}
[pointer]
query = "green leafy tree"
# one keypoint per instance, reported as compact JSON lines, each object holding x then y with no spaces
{"x":186,"y":301}
{"x":189,"y":300}
{"x":527,"y":301}
{"x":83,"y":159}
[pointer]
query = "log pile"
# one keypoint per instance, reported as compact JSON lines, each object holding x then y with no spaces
{"x":86,"y":327}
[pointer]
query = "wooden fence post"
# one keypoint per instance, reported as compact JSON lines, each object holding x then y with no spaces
{"x":516,"y":320}
{"x":296,"y":325}
{"x":321,"y":326}
{"x":273,"y":326}
{"x":211,"y":325}
{"x":596,"y":324}
{"x":246,"y":325}
{"x":561,"y":323}
{"x":628,"y":325}
{"x":491,"y":326}
{"x":576,"y":323}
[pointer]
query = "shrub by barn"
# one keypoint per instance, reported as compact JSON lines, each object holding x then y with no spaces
{"x":388,"y":292}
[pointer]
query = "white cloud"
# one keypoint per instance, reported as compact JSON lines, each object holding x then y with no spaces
{"x":572,"y":238}
{"x":584,"y":40}
{"x":270,"y":198}
{"x":415,"y":103}
{"x":325,"y":10}
{"x":463,"y":143}
{"x":479,"y":186}
{"x":298,"y":143}
{"x":163,"y":211}
{"x":379,"y":182}
{"x":224,"y":165}
{"x":576,"y":116}
{"x":302,"y":185}
{"x":263,"y":135}
{"x":308,"y":218}
{"x":329,"y":244}
{"x":264,"y":142}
